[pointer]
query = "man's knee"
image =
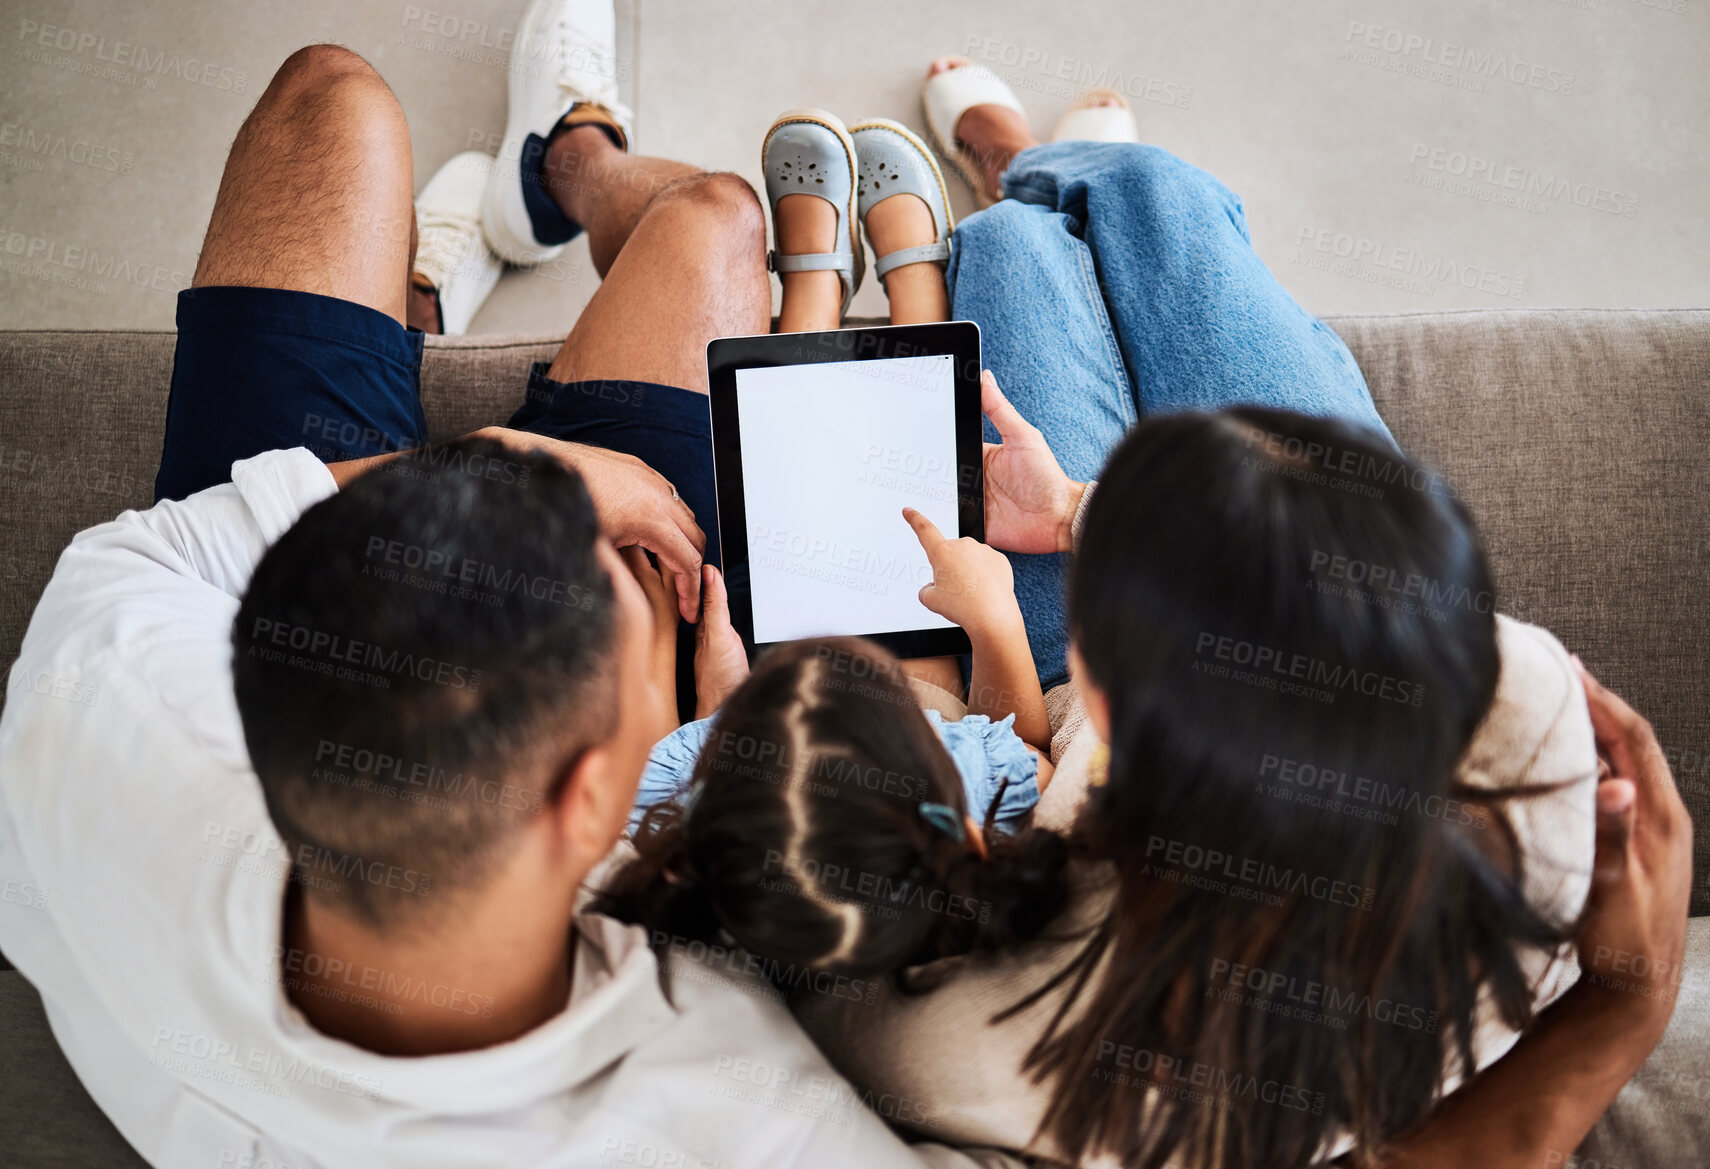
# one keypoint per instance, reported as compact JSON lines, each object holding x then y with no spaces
{"x":324,"y":91}
{"x":721,"y":206}
{"x":318,"y":80}
{"x":313,"y":67}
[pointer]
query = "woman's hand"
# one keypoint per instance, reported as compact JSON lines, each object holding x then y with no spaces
{"x":721,"y":662}
{"x":972,"y":583}
{"x":1632,"y":938}
{"x":1030,"y":503}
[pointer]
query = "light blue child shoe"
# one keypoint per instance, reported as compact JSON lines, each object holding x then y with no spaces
{"x":892,"y":160}
{"x":809,"y":152}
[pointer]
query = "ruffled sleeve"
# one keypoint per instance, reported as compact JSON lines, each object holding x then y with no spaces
{"x":669,"y":767}
{"x":987,"y":753}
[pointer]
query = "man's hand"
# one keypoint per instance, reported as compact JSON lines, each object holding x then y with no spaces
{"x":1030,"y":503}
{"x":1544,"y":1095}
{"x":1633,"y":935}
{"x":721,"y":663}
{"x":635,"y":503}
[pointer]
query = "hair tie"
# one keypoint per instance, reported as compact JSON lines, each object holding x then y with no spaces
{"x":944,"y":818}
{"x":679,"y":871}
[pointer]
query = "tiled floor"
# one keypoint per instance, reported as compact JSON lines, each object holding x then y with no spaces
{"x":1393,"y":155}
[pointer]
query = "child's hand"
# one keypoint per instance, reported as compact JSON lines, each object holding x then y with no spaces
{"x":721,"y":662}
{"x":972,"y":583}
{"x":659,"y":585}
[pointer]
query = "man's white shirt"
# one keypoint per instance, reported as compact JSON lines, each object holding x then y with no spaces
{"x":141,"y":892}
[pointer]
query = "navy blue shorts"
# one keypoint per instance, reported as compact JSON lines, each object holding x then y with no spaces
{"x":262,"y":369}
{"x":667,"y":428}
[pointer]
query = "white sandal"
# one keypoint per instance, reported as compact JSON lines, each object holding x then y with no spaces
{"x":894,"y":161}
{"x":808,"y":152}
{"x":949,"y":95}
{"x":1090,"y":120}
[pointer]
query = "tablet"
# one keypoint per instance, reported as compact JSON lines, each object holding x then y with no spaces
{"x":819,"y":442}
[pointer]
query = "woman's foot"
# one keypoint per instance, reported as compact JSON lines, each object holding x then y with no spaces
{"x":992,"y":134}
{"x":995,"y":134}
{"x":1097,"y":115}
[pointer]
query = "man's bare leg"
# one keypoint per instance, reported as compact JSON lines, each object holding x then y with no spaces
{"x":316,"y":194}
{"x":604,"y":189}
{"x":683,"y":255}
{"x":421,"y":302}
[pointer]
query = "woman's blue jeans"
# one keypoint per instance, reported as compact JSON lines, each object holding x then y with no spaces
{"x":1113,"y":282}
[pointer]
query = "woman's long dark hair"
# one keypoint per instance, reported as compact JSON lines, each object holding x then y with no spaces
{"x":1292,"y":626}
{"x":801,"y":837}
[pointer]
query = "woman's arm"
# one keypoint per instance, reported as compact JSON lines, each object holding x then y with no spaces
{"x":973,"y":585}
{"x":1535,"y":1105}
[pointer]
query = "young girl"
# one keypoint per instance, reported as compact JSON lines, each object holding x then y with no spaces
{"x":1000,"y":747}
{"x":818,"y":821}
{"x":826,"y":830}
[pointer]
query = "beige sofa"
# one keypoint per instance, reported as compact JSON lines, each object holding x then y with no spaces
{"x":1578,"y":438}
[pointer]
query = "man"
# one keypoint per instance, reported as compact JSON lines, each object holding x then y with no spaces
{"x":351,"y":734}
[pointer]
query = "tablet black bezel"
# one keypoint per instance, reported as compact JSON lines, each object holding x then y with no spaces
{"x":726,"y":355}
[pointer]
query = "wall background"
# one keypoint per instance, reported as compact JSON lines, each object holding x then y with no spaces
{"x":1393,"y":155}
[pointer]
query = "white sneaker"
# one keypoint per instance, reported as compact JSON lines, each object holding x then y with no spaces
{"x":564,"y":54}
{"x":450,"y":248}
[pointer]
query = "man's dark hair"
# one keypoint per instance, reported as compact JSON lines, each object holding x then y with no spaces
{"x":418,"y":662}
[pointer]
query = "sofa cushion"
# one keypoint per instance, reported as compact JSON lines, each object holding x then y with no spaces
{"x":47,"y":1118}
{"x":1661,"y":1119}
{"x":1576,"y":437}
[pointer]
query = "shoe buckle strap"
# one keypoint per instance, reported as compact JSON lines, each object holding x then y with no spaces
{"x":815,"y":262}
{"x":934,"y":253}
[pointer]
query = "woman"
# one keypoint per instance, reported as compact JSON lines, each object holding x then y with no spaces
{"x":1205,"y":601}
{"x":1284,"y":881}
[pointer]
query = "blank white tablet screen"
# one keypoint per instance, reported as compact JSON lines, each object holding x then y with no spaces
{"x":831,"y":454}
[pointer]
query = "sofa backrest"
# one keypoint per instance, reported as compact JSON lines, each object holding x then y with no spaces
{"x":1577,"y":437}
